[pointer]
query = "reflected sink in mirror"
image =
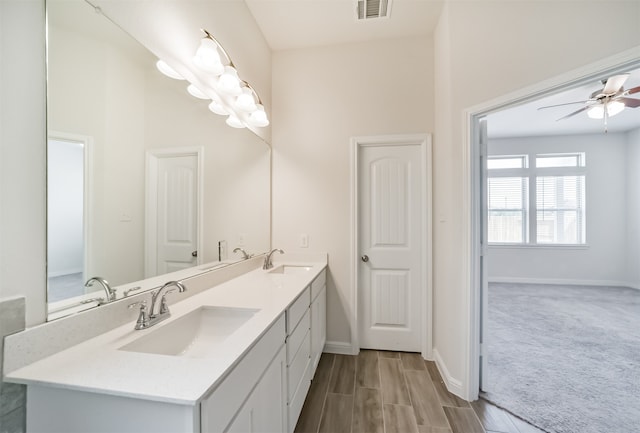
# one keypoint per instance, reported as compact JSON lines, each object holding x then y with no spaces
{"x":290,"y":269}
{"x":195,"y":335}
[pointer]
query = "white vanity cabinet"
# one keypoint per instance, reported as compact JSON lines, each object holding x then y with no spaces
{"x":251,"y":397}
{"x":318,"y":319}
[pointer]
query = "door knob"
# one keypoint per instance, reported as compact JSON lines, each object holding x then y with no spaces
{"x":365,"y":258}
{"x":194,"y":253}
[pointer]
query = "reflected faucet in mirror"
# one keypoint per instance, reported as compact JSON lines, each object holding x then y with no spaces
{"x":245,"y":256}
{"x":110,"y":292}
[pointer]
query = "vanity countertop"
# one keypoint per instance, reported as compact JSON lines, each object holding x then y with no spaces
{"x":97,"y":365}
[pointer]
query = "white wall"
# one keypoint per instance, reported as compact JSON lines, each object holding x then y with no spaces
{"x":322,"y":97}
{"x":603,"y":261}
{"x":486,"y":49}
{"x":633,"y":208}
{"x":22,"y":154}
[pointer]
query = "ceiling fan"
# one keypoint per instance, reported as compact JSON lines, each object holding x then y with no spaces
{"x":606,"y":102}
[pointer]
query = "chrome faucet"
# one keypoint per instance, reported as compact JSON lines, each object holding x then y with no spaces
{"x":267,"y":260}
{"x":164,"y":309}
{"x":111,"y":293}
{"x":245,"y":256}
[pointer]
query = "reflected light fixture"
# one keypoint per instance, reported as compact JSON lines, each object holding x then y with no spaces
{"x":612,"y":108}
{"x":168,"y":70}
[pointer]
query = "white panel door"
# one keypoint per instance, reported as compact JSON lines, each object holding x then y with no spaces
{"x":390,"y":246}
{"x":177,"y":213}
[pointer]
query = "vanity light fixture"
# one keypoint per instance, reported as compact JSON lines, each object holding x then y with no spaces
{"x":218,"y":108}
{"x":233,"y":121}
{"x":168,"y":70}
{"x":259,"y":117}
{"x":195,"y":92}
{"x":231,"y":96}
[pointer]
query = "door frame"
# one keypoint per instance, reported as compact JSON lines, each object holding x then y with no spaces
{"x":87,"y":191}
{"x":471,"y":203}
{"x":424,"y":141}
{"x":151,"y":201}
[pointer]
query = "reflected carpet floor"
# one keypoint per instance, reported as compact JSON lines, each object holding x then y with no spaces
{"x":566,"y":358}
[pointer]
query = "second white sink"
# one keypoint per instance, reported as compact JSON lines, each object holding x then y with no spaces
{"x":290,"y":269}
{"x":197,"y":334}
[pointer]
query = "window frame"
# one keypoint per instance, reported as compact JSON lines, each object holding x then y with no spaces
{"x":531,"y":173}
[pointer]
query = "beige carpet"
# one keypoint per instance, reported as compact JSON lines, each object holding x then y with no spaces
{"x":566,"y":358}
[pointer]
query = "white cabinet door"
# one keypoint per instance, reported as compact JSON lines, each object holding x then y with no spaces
{"x":318,"y":327}
{"x":265,"y":409}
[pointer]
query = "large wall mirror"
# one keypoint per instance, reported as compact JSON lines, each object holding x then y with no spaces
{"x":143,"y":180}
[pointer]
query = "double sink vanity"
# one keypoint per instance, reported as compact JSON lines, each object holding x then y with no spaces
{"x":237,"y":356}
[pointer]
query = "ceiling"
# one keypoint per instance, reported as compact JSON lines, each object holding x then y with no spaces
{"x":288,"y":24}
{"x":526,"y":120}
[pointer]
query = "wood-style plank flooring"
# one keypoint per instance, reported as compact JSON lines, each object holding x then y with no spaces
{"x":394,"y":392}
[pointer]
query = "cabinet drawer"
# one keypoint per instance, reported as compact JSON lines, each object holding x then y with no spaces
{"x":318,"y":284}
{"x":297,"y":337}
{"x":217,"y":409}
{"x":297,"y":310}
{"x":297,"y":367}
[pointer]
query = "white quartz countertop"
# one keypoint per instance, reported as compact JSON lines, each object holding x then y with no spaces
{"x":98,"y":365}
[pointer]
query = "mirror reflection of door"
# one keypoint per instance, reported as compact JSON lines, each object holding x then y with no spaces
{"x":65,"y":218}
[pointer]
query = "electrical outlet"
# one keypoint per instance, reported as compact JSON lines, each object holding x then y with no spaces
{"x":303,"y":241}
{"x":242,"y":239}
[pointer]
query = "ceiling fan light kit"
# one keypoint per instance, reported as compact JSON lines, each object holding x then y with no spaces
{"x":607,"y":102}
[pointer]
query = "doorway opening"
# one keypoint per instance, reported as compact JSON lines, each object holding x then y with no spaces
{"x":68,"y":219}
{"x":536,"y":237}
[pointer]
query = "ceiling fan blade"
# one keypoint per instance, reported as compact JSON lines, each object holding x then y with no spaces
{"x":630,"y":102}
{"x":614,"y":84}
{"x":632,"y":91}
{"x":573,"y":114}
{"x":562,"y":105}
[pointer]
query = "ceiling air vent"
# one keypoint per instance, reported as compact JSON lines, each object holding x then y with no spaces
{"x":373,"y":9}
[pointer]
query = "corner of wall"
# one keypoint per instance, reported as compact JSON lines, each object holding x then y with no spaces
{"x":453,"y":385}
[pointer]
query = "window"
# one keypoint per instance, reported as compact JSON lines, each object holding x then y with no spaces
{"x":543,"y":204}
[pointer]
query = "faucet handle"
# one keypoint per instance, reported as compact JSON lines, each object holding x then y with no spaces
{"x":143,"y":318}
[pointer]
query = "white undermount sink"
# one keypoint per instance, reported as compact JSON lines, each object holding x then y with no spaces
{"x":290,"y":269}
{"x":196,"y":334}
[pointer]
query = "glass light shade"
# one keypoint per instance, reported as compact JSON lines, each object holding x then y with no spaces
{"x":613,"y":108}
{"x":245,"y":100}
{"x":229,"y":82}
{"x":234,"y":122}
{"x":168,"y":70}
{"x":207,"y":57}
{"x":194,"y":91}
{"x":218,"y":108}
{"x":259,"y":117}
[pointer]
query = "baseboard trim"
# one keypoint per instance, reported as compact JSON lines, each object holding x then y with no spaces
{"x":567,"y":281}
{"x":340,"y":348}
{"x":453,"y":385}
